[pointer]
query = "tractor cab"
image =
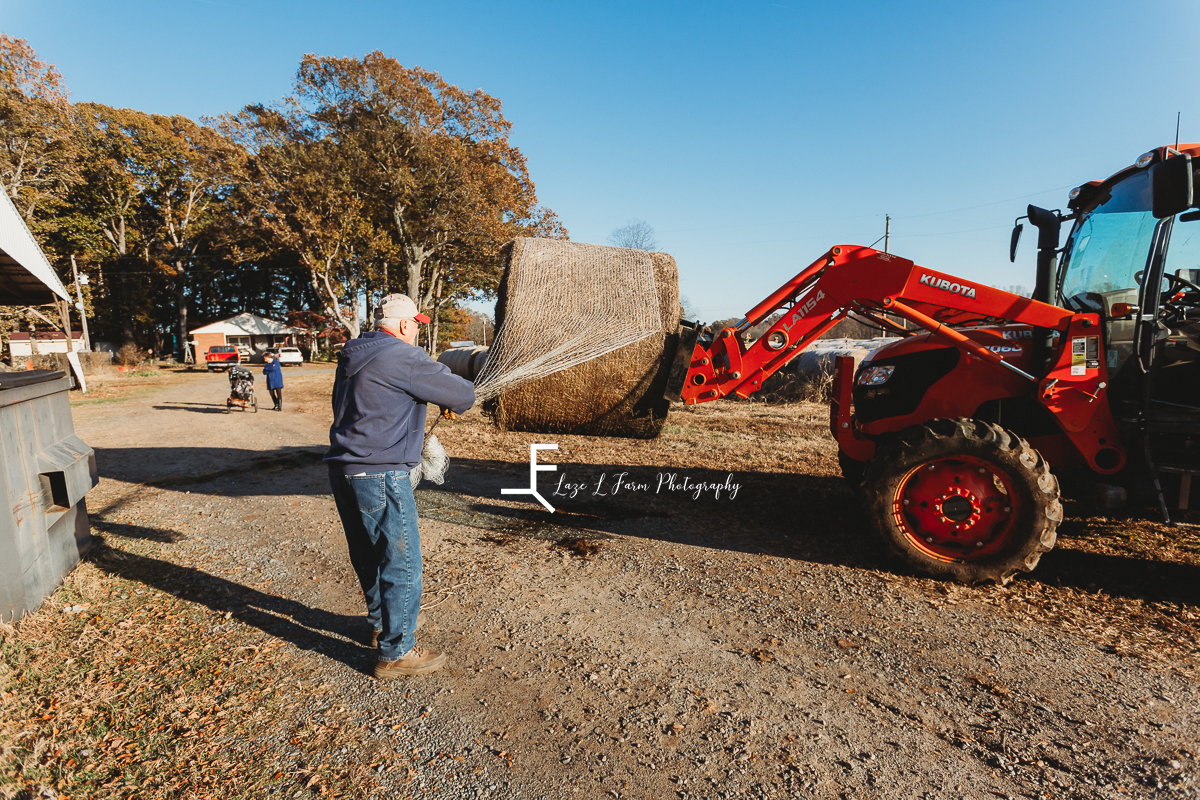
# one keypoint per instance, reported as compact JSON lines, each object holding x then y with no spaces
{"x":1133,"y":256}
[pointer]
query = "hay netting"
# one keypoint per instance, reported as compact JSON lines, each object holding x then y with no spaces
{"x":583,"y":342}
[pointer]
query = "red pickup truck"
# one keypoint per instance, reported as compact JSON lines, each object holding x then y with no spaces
{"x":222,"y":356}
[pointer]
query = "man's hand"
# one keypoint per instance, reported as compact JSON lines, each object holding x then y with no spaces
{"x":448,"y":414}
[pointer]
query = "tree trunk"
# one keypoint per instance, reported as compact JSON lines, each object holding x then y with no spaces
{"x":323,"y":286}
{"x":126,"y":310}
{"x":417,"y":256}
{"x":433,"y":322}
{"x":414,"y":281}
{"x":183,"y":310}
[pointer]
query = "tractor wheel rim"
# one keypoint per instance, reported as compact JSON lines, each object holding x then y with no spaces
{"x":957,"y":509}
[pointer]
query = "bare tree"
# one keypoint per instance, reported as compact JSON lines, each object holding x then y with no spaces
{"x":637,"y":234}
{"x":686,"y":309}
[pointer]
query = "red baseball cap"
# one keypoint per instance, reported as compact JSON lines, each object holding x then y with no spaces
{"x":399,"y":306}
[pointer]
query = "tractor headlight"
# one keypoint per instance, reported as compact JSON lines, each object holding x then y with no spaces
{"x":876,"y":376}
{"x":1144,"y":160}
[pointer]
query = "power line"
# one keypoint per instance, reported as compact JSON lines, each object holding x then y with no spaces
{"x":864,"y":216}
{"x":985,"y":205}
{"x":944,"y":233}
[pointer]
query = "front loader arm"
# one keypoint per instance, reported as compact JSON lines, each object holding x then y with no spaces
{"x":849,"y":278}
{"x":880,"y":286}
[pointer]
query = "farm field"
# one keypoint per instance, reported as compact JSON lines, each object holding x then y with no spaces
{"x":704,"y":616}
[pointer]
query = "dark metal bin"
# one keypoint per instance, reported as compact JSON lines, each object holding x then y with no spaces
{"x":46,"y":470}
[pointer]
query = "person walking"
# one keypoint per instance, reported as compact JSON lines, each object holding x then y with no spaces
{"x":274,"y":375}
{"x":380,"y":391}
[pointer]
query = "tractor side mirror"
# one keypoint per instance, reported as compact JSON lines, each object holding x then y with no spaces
{"x":1171,"y":188}
{"x":1016,"y":239}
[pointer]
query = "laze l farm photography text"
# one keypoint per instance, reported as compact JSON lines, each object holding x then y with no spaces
{"x":662,"y":483}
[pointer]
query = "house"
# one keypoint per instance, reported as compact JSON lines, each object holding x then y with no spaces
{"x":20,"y":345}
{"x":257,"y":333}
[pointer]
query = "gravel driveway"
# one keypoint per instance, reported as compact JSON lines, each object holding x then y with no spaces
{"x":662,"y":641}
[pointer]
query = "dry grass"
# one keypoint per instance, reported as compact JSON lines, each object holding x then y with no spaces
{"x":786,"y":386}
{"x":117,"y":387}
{"x":141,"y":694}
{"x":130,"y":355}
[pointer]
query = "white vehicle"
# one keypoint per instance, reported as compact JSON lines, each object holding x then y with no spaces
{"x":287,"y":356}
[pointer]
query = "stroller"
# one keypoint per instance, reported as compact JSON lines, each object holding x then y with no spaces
{"x":241,"y":390}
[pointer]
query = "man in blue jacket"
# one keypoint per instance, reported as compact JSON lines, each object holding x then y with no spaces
{"x":382,"y":384}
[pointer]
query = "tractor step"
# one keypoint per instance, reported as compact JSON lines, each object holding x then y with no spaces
{"x":1185,"y":482}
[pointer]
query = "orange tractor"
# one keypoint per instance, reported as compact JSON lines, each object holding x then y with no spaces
{"x":955,"y":436}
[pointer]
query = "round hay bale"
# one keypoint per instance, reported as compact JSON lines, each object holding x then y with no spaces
{"x":617,"y":394}
{"x":465,"y":362}
{"x":819,"y":363}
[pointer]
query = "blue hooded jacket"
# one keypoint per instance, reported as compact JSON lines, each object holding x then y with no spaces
{"x":379,"y":396}
{"x":274,"y":375}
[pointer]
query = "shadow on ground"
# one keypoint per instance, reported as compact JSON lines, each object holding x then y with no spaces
{"x":195,"y":408}
{"x":305,"y":627}
{"x":796,"y":516}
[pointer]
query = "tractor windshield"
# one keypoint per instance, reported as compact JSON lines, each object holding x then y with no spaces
{"x":1111,"y":241}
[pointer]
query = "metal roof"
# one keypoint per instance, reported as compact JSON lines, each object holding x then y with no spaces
{"x":246,"y":324}
{"x":26,"y":277}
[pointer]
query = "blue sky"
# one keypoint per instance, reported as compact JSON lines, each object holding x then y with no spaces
{"x":752,"y":136}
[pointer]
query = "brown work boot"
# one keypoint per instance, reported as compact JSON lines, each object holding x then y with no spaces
{"x":375,"y":634}
{"x":418,"y":661}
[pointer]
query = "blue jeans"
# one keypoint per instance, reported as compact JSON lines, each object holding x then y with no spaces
{"x":379,"y":516}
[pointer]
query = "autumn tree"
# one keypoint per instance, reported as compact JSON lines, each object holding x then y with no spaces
{"x":190,"y":169}
{"x":109,"y":213}
{"x":38,"y":147}
{"x":370,"y":177}
{"x":408,"y":154}
{"x":299,"y":195}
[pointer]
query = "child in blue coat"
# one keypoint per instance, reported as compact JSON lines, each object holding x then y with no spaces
{"x":274,"y":376}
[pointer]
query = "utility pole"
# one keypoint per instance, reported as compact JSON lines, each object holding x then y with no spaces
{"x":87,"y":342}
{"x":887,"y":235}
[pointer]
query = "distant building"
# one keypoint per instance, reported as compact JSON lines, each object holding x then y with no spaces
{"x":257,"y":333}
{"x":20,"y":345}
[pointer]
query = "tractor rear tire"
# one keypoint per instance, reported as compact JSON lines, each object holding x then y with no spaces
{"x":964,"y":500}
